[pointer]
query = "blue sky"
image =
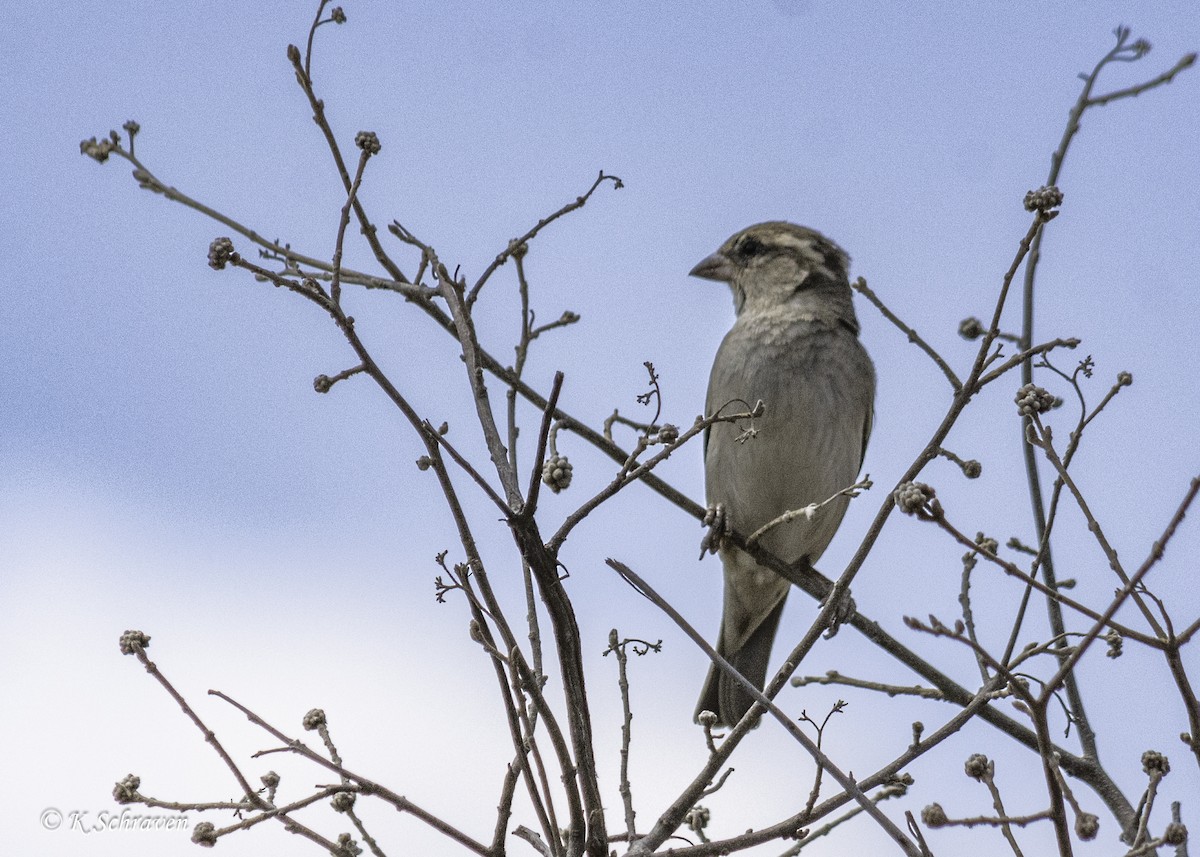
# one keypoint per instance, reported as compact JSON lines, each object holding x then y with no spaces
{"x":165,"y":464}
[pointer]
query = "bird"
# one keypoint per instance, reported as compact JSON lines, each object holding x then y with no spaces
{"x":794,"y":346}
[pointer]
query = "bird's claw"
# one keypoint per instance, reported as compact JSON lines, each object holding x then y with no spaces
{"x":842,"y":612}
{"x":718,"y":529}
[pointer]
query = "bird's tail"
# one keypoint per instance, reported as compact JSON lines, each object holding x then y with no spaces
{"x":722,"y":695}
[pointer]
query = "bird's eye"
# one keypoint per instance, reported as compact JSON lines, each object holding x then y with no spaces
{"x":749,"y":247}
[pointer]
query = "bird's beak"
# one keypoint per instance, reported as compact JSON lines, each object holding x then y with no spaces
{"x":715,"y":267}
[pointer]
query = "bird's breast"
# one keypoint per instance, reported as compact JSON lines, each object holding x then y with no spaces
{"x":817,"y":385}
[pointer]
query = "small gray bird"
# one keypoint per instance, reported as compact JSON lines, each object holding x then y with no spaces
{"x":794,"y":345}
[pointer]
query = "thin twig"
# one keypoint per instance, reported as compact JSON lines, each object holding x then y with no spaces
{"x":1022,"y":357}
{"x":547,"y":815}
{"x":888,"y":791}
{"x":617,"y":647}
{"x":860,"y":286}
{"x":1156,"y":553}
{"x":833,"y":677}
{"x":991,"y":821}
{"x":464,"y":327}
{"x":522,"y":353}
{"x":1185,"y":62}
{"x":436,"y":436}
{"x":249,"y":791}
{"x":1045,"y":441}
{"x":815,"y":791}
{"x":535,"y":480}
{"x":969,"y":561}
{"x":368,"y":786}
{"x":1006,"y":821}
{"x":515,"y":245}
{"x":807,"y":512}
{"x":335,"y":287}
{"x":318,"y":108}
{"x":1015,"y":572}
{"x":312,"y":31}
{"x":530,"y":836}
{"x":629,"y":473}
{"x":280,"y":813}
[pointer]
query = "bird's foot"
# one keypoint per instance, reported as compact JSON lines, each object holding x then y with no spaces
{"x":842,"y":612}
{"x":718,"y":529}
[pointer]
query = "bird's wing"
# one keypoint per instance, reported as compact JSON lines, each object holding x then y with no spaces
{"x":866,"y":432}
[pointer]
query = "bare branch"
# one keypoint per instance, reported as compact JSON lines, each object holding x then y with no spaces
{"x":835,"y":677}
{"x":1043,"y":439}
{"x":807,"y":512}
{"x":860,"y":286}
{"x":1156,"y":553}
{"x":367,"y":786}
{"x":335,"y":288}
{"x":1022,"y":357}
{"x":1185,"y":62}
{"x":318,"y":107}
{"x":516,"y":244}
{"x":134,"y":644}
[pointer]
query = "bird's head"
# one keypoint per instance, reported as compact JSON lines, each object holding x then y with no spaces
{"x":773,"y":264}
